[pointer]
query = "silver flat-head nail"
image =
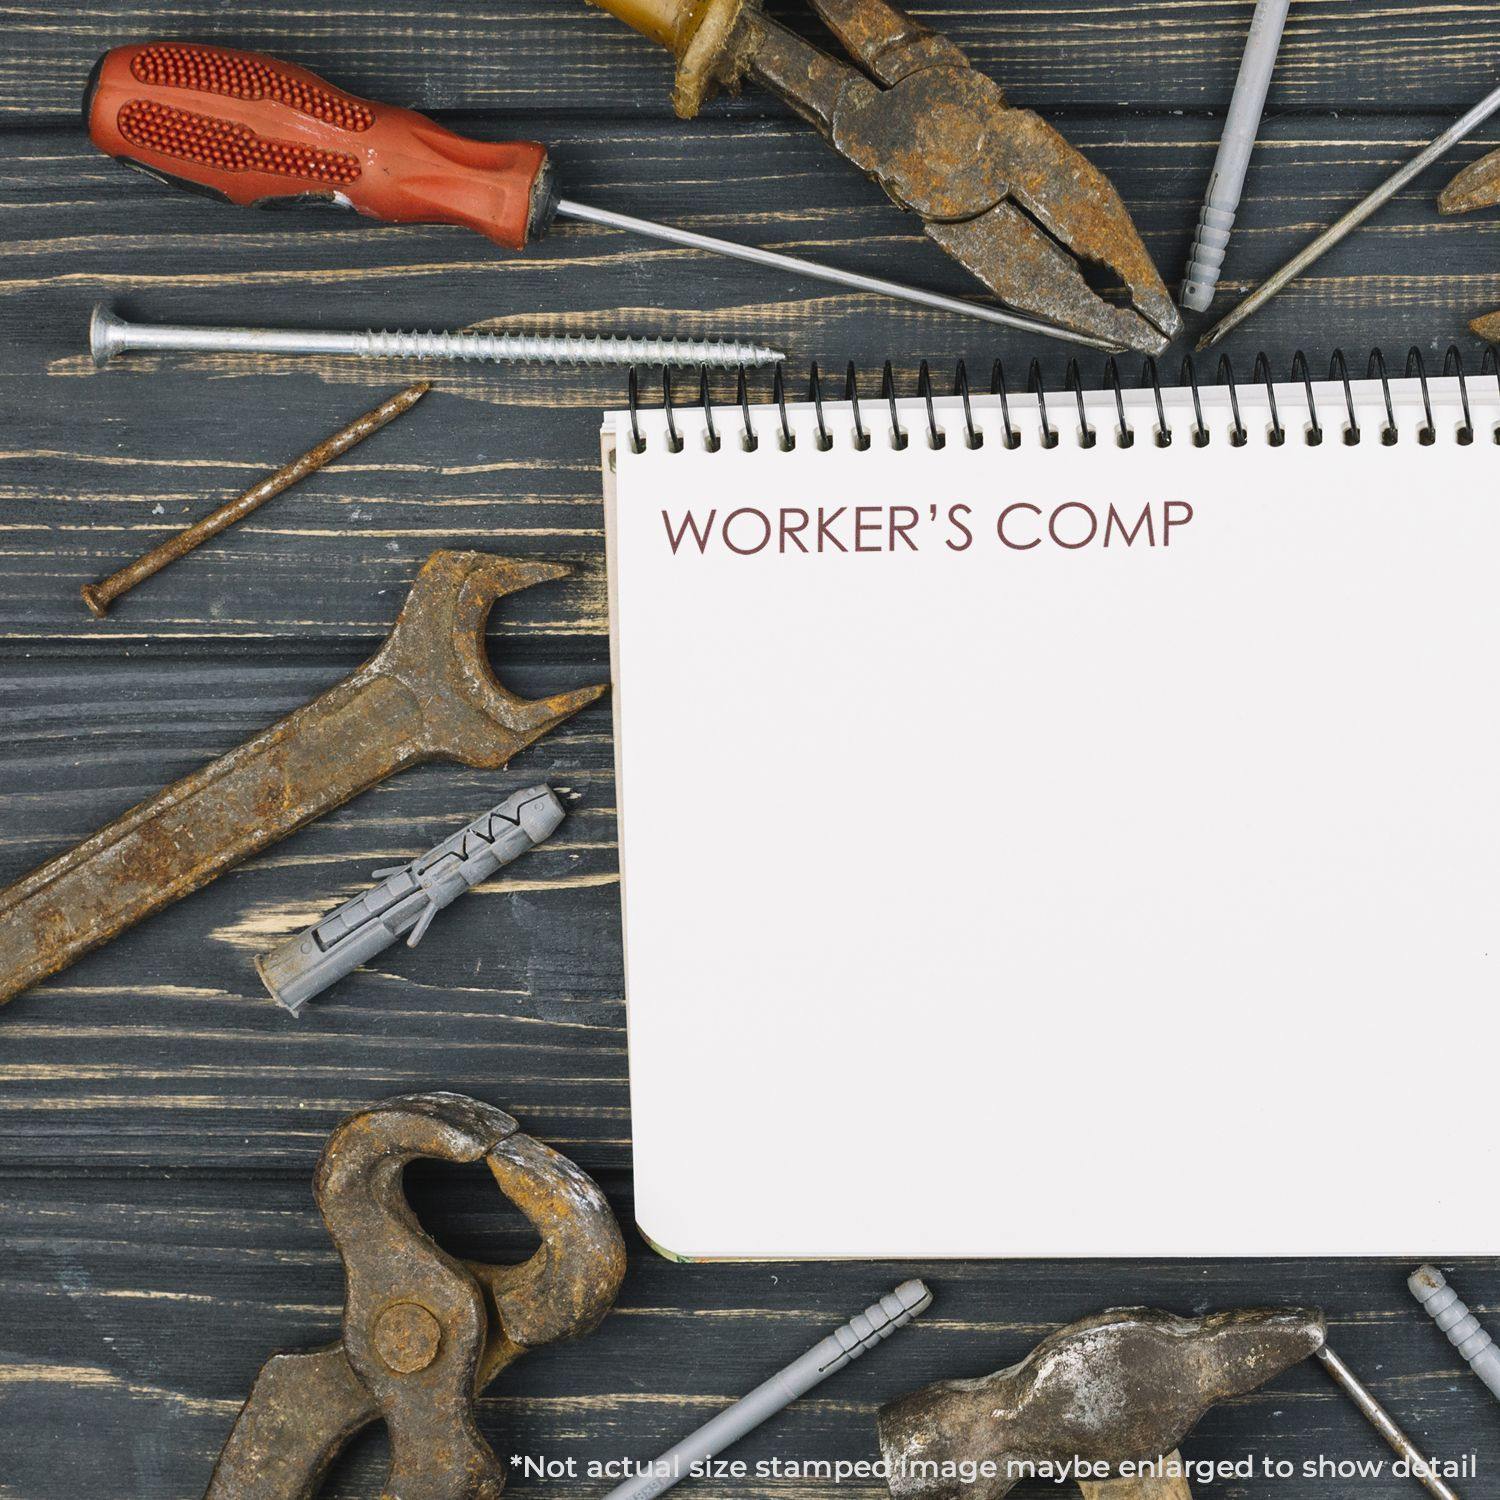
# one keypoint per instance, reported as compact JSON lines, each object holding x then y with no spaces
{"x":1383,"y":1423}
{"x":1347,"y":223}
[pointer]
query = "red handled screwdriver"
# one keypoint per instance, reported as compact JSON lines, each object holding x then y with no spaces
{"x":258,"y":132}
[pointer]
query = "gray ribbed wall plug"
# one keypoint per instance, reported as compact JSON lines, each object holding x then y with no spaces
{"x":1430,"y":1288}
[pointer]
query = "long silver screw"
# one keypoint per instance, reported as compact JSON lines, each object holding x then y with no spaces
{"x":111,"y":335}
{"x":1430,"y":1287}
{"x":1385,"y":1424}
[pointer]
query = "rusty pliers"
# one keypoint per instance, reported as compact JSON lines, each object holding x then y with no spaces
{"x":423,"y":1333}
{"x":996,"y":187}
{"x":1476,"y":187}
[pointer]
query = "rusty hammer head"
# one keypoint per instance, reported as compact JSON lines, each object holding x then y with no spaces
{"x":1123,"y":1387}
{"x":437,"y":652}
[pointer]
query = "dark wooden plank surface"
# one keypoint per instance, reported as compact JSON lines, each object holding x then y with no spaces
{"x":560,"y":57}
{"x":159,"y":1118}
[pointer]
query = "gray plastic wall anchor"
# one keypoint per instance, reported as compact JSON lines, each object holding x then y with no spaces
{"x":1227,"y":181}
{"x":407,"y":899}
{"x":1430,"y":1288}
{"x":844,"y":1345}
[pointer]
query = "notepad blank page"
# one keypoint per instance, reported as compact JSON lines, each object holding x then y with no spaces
{"x":1003,"y":899}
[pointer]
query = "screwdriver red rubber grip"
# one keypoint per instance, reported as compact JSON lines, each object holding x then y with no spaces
{"x":261,"y":132}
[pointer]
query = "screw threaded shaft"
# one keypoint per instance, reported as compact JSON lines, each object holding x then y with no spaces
{"x":525,"y":348}
{"x":110,"y":335}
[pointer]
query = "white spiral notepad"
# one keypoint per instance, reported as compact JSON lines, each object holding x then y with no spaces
{"x":1062,"y":848}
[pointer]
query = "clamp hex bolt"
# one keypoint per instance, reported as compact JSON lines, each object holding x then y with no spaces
{"x":1430,"y":1288}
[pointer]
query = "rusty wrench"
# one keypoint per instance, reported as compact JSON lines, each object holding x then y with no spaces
{"x":428,"y":694}
{"x":423,"y":1333}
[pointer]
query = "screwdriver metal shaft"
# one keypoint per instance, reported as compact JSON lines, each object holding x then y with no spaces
{"x":167,"y":108}
{"x":754,"y":255}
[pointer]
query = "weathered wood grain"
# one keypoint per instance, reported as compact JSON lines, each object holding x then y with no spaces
{"x":127,"y":1290}
{"x":540,"y":57}
{"x":159,"y":1115}
{"x":95,"y":466}
{"x":168,"y":1035}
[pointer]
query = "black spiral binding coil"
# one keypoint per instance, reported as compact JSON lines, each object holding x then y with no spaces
{"x":1124,"y":434}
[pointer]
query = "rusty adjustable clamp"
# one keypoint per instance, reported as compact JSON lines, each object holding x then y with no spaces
{"x":996,"y":187}
{"x":423,"y":1333}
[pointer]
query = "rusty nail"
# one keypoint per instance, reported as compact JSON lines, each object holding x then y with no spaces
{"x":99,"y":596}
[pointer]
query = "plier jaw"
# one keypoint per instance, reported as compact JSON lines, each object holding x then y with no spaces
{"x":423,"y":1333}
{"x":999,"y":189}
{"x":1476,"y":187}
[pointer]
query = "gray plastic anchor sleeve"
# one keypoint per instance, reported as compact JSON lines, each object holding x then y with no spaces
{"x":1430,"y":1288}
{"x":1227,"y":182}
{"x":407,"y":899}
{"x":878,"y":1322}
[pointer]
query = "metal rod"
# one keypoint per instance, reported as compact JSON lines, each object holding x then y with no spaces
{"x":1382,"y":1421}
{"x":111,"y":335}
{"x":99,"y":596}
{"x":880,"y":287}
{"x":1354,"y":218}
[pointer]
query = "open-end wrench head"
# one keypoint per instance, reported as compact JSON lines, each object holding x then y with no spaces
{"x":438,"y":649}
{"x":428,"y":693}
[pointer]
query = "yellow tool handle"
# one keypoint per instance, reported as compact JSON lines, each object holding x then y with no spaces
{"x":670,"y":22}
{"x":700,"y":34}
